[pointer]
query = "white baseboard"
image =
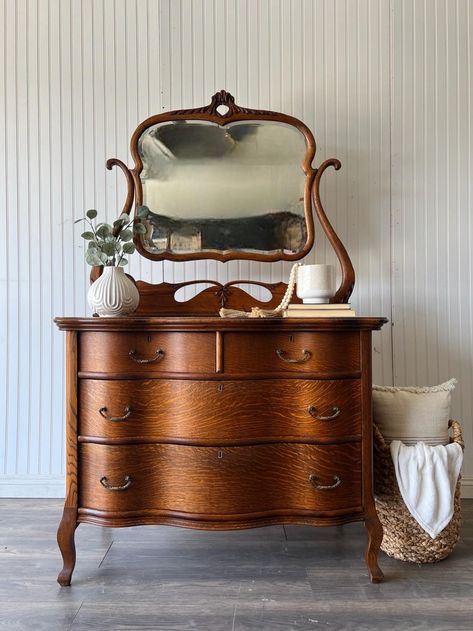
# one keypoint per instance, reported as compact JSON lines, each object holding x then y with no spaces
{"x":53,"y":486}
{"x":32,"y":486}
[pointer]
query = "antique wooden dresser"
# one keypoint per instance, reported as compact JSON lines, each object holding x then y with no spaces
{"x":177,"y":416}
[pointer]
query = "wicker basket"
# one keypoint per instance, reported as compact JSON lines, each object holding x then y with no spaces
{"x":403,"y":538}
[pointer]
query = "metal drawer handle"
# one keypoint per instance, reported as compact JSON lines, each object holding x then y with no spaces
{"x":126,"y":413}
{"x":324,"y":487}
{"x":109,"y":487}
{"x":159,"y":354}
{"x":313,"y":412}
{"x":305,"y":356}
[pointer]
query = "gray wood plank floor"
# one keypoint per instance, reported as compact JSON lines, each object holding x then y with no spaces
{"x":292,"y":578}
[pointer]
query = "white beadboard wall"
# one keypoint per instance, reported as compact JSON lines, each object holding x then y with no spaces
{"x":384,"y":85}
{"x":431,"y":200}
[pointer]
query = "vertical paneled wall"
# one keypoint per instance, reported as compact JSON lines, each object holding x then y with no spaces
{"x":78,"y":76}
{"x":431,"y":192}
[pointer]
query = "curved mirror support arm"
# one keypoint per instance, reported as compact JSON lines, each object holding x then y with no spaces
{"x":127,"y":206}
{"x":95,"y":272}
{"x":345,"y":290}
{"x":115,"y":162}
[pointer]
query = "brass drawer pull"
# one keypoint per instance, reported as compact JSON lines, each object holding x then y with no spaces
{"x":324,"y":487}
{"x":109,"y":487}
{"x":126,"y":413}
{"x":313,"y":412}
{"x":159,"y":354}
{"x":305,"y":356}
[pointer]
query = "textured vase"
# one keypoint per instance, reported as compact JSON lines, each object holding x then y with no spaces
{"x":315,"y":283}
{"x":113,"y":293}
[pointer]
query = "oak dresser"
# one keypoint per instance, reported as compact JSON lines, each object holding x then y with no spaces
{"x":216,"y":424}
{"x":177,"y":416}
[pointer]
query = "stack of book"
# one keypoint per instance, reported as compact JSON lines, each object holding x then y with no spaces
{"x":319,"y":311}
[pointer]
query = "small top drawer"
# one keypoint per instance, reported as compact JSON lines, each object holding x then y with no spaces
{"x":318,"y":352}
{"x":123,"y":353}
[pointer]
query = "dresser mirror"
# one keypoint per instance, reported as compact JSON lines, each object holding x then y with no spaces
{"x":225,"y":182}
{"x":177,"y":416}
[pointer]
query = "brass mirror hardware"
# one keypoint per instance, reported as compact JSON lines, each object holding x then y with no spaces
{"x":324,"y":487}
{"x":305,"y":356}
{"x":313,"y":412}
{"x":110,"y":487}
{"x":159,"y":354}
{"x":126,"y":413}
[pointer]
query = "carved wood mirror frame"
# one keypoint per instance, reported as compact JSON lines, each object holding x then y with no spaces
{"x":165,"y":291}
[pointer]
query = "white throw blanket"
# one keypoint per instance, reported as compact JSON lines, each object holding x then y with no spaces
{"x":427,"y":477}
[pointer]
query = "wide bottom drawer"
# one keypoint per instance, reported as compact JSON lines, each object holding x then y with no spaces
{"x":221,"y":482}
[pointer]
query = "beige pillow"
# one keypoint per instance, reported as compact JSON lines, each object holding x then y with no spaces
{"x":413,"y":414}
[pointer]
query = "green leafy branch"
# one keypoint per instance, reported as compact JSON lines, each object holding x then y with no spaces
{"x":108,"y":244}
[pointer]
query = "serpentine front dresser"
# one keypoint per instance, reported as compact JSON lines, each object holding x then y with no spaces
{"x":176,"y":416}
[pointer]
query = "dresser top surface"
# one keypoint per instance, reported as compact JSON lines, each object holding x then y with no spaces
{"x":212,"y":323}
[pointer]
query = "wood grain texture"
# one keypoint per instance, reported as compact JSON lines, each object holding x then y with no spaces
{"x":327,"y":352}
{"x":71,"y":418}
{"x":193,"y":376}
{"x":68,"y":524}
{"x":184,"y":445}
{"x":150,"y":517}
{"x":220,"y":411}
{"x":221,"y":482}
{"x":372,"y":523}
{"x":181,"y":352}
{"x":207,"y":323}
{"x":218,"y":351}
{"x":159,"y":299}
{"x":347,"y":284}
{"x":66,"y":543}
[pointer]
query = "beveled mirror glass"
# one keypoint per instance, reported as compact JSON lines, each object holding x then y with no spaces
{"x":238,"y":187}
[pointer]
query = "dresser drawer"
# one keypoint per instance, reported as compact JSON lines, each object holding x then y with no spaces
{"x":221,"y":482}
{"x":237,"y":411}
{"x":147,"y":352}
{"x":330,"y":353}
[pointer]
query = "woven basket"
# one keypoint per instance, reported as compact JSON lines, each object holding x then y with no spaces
{"x":403,"y":538}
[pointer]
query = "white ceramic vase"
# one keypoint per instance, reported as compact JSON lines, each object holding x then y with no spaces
{"x":113,"y":293}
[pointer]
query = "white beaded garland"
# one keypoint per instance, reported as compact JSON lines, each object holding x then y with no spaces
{"x":257,"y":312}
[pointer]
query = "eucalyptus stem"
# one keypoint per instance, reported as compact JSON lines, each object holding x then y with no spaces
{"x":109,"y":245}
{"x":93,"y":230}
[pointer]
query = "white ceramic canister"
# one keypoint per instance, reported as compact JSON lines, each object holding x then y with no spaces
{"x":315,"y":283}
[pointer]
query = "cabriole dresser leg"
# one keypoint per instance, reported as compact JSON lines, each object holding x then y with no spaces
{"x":65,"y":539}
{"x":375,"y":537}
